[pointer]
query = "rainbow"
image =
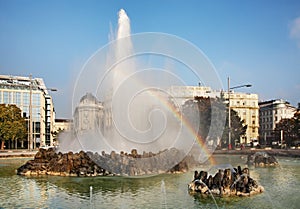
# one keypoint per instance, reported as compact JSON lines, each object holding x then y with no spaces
{"x":188,"y":125}
{"x":177,"y":114}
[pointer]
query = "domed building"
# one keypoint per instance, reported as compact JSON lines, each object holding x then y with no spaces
{"x":88,"y":114}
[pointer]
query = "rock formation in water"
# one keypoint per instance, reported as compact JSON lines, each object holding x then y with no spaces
{"x":48,"y":162}
{"x":227,"y":182}
{"x":261,"y":159}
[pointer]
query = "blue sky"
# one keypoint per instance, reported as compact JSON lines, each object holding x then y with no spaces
{"x":255,"y":42}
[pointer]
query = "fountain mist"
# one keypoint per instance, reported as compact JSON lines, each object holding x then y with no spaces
{"x":130,"y":83}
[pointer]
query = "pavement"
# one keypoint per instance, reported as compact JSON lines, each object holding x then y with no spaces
{"x":275,"y":152}
{"x":17,"y":153}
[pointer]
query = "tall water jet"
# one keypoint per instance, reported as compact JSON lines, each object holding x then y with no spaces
{"x":123,"y":25}
{"x":123,"y":50}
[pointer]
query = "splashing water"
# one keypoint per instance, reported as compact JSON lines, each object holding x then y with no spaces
{"x":210,"y":192}
{"x":164,"y":194}
{"x":91,"y":197}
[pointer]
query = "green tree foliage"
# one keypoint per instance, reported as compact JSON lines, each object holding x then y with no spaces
{"x":290,"y":128}
{"x":199,"y":112}
{"x":238,"y":129}
{"x":12,"y":125}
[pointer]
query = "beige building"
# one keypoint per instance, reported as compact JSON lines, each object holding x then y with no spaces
{"x":270,"y":113}
{"x":32,"y":97}
{"x":246,"y":105}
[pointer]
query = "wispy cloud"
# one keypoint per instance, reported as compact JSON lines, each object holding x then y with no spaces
{"x":295,"y":30}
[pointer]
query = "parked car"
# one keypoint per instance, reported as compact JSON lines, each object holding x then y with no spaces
{"x":255,"y":142}
{"x":46,"y":147}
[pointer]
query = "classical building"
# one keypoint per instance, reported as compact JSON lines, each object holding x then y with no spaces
{"x":32,"y":97}
{"x":270,"y":113}
{"x":88,"y":114}
{"x":246,"y":105}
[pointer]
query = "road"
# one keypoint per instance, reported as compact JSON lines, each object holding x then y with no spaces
{"x":17,"y":153}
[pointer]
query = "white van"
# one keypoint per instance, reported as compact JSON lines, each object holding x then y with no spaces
{"x":255,"y":142}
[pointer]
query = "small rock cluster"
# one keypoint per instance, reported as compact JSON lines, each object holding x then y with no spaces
{"x":227,"y":182}
{"x":262,"y":159}
{"x":48,"y":162}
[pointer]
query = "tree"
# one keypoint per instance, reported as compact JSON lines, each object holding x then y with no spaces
{"x":199,"y":113}
{"x":12,"y":125}
{"x":238,"y":129}
{"x":290,"y":128}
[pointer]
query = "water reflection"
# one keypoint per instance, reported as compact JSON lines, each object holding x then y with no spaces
{"x":163,"y":191}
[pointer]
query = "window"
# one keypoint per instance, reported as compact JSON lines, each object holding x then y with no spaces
{"x":36,"y":113}
{"x":17,"y":98}
{"x":25,"y":111}
{"x":26,"y":98}
{"x":36,"y":101}
{"x":37,"y":127}
{"x":6,"y":97}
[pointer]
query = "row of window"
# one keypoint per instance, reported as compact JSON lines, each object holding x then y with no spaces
{"x":36,"y":112}
{"x":266,"y":126}
{"x":19,"y":98}
{"x":243,"y":103}
{"x":270,"y":112}
{"x":270,"y":119}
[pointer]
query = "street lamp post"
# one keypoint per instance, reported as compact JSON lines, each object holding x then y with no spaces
{"x":229,"y":117}
{"x":30,"y":113}
{"x":229,"y":108}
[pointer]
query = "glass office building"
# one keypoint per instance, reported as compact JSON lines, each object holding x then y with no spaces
{"x":30,"y":94}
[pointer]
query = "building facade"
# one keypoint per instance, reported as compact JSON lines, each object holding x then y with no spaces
{"x":246,"y":105}
{"x":32,"y":97}
{"x":62,"y":125}
{"x":88,"y":115}
{"x":270,"y":113}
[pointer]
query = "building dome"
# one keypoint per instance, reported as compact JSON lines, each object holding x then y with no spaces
{"x":88,"y":114}
{"x":88,"y":98}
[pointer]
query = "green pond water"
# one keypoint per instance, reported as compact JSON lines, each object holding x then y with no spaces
{"x":282,"y":187}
